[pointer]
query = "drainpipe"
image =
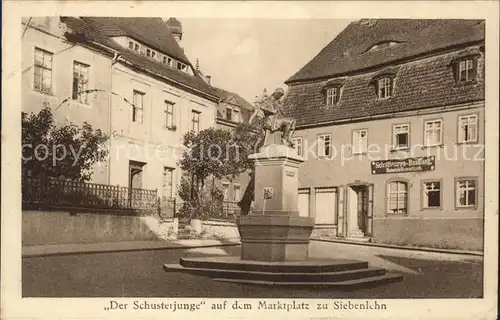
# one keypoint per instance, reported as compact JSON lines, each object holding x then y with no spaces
{"x":110,"y":114}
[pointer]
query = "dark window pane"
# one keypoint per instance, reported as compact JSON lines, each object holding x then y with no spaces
{"x":472,"y":197}
{"x":434,"y":198}
{"x":402,"y":139}
{"x":75,"y":87}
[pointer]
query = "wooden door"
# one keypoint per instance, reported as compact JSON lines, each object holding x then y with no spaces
{"x":362,"y":193}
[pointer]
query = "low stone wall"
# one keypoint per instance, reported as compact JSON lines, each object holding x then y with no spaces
{"x":220,"y":229}
{"x":49,"y":227}
{"x":464,"y":234}
{"x":324,"y":231}
{"x":461,"y":234}
{"x":166,"y":229}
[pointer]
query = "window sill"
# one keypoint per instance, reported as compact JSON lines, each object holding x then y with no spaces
{"x":396,"y":215}
{"x":432,"y":209}
{"x":171,"y":128}
{"x":467,"y":143}
{"x":466,"y":208}
{"x":359,"y":153}
{"x":433,"y":146}
{"x":332,"y":105}
{"x":466,"y":83}
{"x":324,"y":157}
{"x":52,"y":94}
{"x":405,"y":149}
{"x":384,"y":99}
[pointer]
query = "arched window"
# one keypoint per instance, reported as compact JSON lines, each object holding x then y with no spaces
{"x":397,"y":197}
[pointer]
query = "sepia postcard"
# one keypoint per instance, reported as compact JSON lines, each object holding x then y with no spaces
{"x":233,"y":160}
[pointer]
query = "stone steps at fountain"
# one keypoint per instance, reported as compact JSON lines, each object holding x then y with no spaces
{"x":316,"y":273}
{"x":301,"y":266}
{"x":279,"y":277}
{"x":362,"y":283}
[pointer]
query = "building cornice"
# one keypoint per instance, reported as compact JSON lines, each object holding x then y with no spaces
{"x":177,"y":83}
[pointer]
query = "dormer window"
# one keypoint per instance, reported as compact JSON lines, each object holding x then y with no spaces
{"x":181,"y":66}
{"x":385,"y":87}
{"x":150,"y":53}
{"x":233,"y":114}
{"x":153,"y":54}
{"x":332,"y":91}
{"x":332,"y":96}
{"x":132,"y":45}
{"x":382,"y":45}
{"x":167,"y":60}
{"x":467,"y":70}
{"x":384,"y":83}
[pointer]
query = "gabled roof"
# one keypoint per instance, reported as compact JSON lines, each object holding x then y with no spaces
{"x":150,"y":31}
{"x":233,"y":98}
{"x":349,"y":51}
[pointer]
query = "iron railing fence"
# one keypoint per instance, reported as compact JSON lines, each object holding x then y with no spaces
{"x":51,"y":193}
{"x":167,"y":207}
{"x":225,"y":210}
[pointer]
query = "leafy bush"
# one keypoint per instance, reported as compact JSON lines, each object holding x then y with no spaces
{"x":60,"y":150}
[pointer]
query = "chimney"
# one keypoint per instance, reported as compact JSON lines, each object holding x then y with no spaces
{"x":209,"y":79}
{"x":175,"y":27}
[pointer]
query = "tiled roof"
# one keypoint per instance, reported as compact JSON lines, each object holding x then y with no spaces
{"x":418,"y":85}
{"x":154,"y":32}
{"x":226,"y":96}
{"x":348,"y":52}
{"x":150,"y":31}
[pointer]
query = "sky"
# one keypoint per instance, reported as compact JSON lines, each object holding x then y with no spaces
{"x":247,"y":55}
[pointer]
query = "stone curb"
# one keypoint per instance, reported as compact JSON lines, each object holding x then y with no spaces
{"x":166,"y":246}
{"x":390,"y":246}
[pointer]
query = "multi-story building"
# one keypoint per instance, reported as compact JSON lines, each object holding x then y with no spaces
{"x":57,"y":73}
{"x":157,"y":97}
{"x":233,"y":110}
{"x":390,"y":119}
{"x":130,"y":78}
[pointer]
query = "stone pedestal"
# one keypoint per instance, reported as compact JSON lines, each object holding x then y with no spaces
{"x":274,"y":231}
